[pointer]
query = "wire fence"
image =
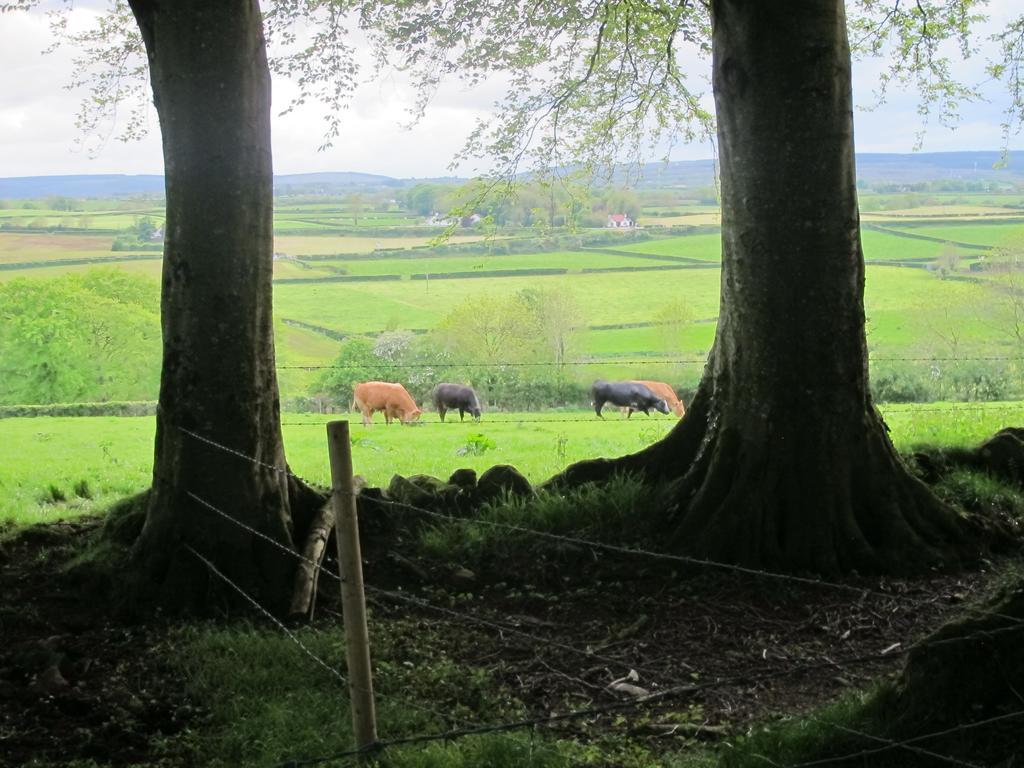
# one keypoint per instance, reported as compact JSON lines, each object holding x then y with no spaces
{"x":670,"y":689}
{"x":590,"y":419}
{"x":606,"y":361}
{"x":673,"y":689}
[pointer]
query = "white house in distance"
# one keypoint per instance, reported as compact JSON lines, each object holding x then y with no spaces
{"x":619,"y":220}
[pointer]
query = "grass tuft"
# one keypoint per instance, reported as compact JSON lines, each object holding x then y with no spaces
{"x":622,"y":511}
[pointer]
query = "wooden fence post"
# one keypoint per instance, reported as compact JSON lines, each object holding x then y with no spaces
{"x":353,"y":601}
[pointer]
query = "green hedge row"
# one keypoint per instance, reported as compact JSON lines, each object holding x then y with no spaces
{"x":140,"y":408}
{"x":131,"y":244}
{"x":929,"y":238}
{"x":340,"y":279}
{"x":658,"y":268}
{"x":75,"y":262}
{"x":490,"y":273}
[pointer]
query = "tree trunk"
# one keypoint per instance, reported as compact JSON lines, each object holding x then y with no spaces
{"x":211,"y":86}
{"x":782,"y":460}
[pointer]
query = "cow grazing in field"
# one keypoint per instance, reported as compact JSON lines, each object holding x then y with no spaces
{"x":448,"y":397}
{"x":392,"y":399}
{"x":627,"y":394}
{"x":663,"y":390}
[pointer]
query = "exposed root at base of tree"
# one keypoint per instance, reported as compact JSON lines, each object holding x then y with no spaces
{"x":786,"y":498}
{"x":174,"y":580}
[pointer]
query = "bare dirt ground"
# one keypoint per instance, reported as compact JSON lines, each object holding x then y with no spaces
{"x":725,"y":649}
{"x":76,"y":684}
{"x":720,"y":650}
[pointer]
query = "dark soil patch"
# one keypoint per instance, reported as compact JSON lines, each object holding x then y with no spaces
{"x":727,"y":649}
{"x":724,"y":649}
{"x":75,"y":683}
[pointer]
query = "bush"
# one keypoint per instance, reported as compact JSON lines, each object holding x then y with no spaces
{"x":900,"y":382}
{"x":143,"y":408}
{"x":927,"y":381}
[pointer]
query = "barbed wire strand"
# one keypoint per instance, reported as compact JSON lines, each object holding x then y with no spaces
{"x":234,"y":452}
{"x":913,"y":740}
{"x":685,"y":559}
{"x":995,"y":408}
{"x":398,"y":597}
{"x":894,"y":743}
{"x":320,"y":567}
{"x":611,"y":361}
{"x":505,"y":628}
{"x":655,"y":699}
{"x":269,"y":615}
{"x":1017,"y":624}
{"x":451,"y":734}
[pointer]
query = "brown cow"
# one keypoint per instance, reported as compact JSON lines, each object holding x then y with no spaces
{"x":392,"y":399}
{"x":661,"y":389}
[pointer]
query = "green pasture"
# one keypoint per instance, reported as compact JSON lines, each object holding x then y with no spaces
{"x":694,"y":341}
{"x":297,"y":347}
{"x":41,"y":247}
{"x":909,"y":310}
{"x":976,"y":234}
{"x":883,"y":246}
{"x":43,"y":219}
{"x":484,"y":262}
{"x":602,"y":298}
{"x":286,"y":222}
{"x":706,"y":247}
{"x":329,"y":245}
{"x":44,"y":460}
{"x":148,"y":267}
{"x":878,"y":246}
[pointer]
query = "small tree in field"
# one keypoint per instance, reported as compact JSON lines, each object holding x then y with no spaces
{"x":557,"y":320}
{"x":948,"y":261}
{"x":671,"y":322}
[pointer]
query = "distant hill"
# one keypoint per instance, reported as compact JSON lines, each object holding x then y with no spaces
{"x":874,"y":168}
{"x":90,"y":185}
{"x":121,"y":185}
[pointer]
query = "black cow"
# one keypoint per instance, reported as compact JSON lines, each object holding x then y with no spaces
{"x":627,"y":394}
{"x":451,"y":396}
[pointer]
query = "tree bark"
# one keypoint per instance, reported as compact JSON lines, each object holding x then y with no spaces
{"x":782,"y":461}
{"x":211,"y":87}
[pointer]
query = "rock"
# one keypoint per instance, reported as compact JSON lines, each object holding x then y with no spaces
{"x":502,"y":479}
{"x":408,"y":565}
{"x":422,"y":491}
{"x":463,"y":577}
{"x":49,"y":682}
{"x":464,"y":478}
{"x":1003,"y":454}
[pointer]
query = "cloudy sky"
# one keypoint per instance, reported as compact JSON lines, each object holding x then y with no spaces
{"x":38,"y":134}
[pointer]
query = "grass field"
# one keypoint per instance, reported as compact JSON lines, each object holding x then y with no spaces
{"x":328,"y":245}
{"x":482,"y":262}
{"x":602,"y":298}
{"x":977,"y":234}
{"x":911,"y":312}
{"x":22,"y":246}
{"x":44,"y":460}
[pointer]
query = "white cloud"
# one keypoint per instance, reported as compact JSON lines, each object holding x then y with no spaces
{"x":38,"y":135}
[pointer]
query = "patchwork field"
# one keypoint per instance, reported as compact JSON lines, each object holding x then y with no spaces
{"x":619,"y":288}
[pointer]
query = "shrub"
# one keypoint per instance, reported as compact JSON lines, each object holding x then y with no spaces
{"x":143,"y":408}
{"x":901,"y":382}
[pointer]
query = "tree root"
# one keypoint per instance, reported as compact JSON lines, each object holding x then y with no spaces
{"x":780,"y":496}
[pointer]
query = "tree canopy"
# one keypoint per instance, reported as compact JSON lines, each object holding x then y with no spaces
{"x":588,"y":84}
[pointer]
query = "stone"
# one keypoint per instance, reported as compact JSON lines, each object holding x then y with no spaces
{"x":502,"y":479}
